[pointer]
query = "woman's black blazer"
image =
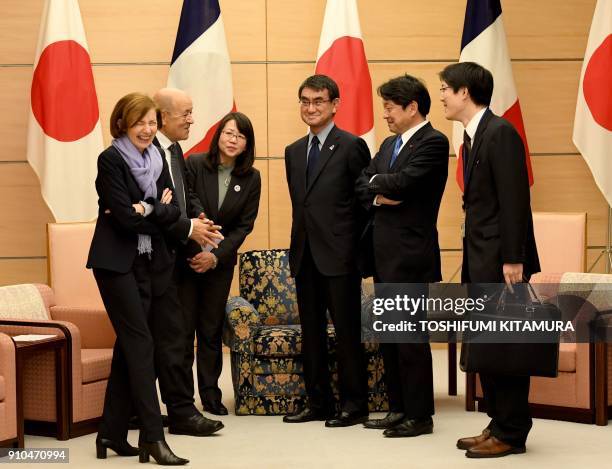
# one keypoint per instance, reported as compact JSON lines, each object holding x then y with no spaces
{"x":115,"y":241}
{"x":237,"y":213}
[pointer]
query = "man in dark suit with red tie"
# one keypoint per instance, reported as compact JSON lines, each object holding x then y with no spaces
{"x":498,"y":243}
{"x":402,"y":189}
{"x":321,"y":171}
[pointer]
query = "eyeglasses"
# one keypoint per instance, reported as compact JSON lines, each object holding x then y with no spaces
{"x":316,"y":103}
{"x":231,"y":135}
{"x":444,"y":88}
{"x":184,"y":117}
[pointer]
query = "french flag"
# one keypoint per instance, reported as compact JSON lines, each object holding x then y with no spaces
{"x":201,"y":67}
{"x":484,"y":42}
{"x":341,"y":56}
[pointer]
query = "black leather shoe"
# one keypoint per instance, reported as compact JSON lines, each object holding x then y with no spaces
{"x":346,"y":419}
{"x":305,"y":415}
{"x":161,"y":452}
{"x":215,"y":407}
{"x":410,"y":427}
{"x":122,"y":448}
{"x":196,"y":425}
{"x":390,"y":420}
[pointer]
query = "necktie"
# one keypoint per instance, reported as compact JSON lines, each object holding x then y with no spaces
{"x":313,"y":157}
{"x":177,"y":176}
{"x":467,"y":148}
{"x":396,"y":150}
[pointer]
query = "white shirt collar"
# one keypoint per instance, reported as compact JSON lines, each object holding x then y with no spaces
{"x":163,"y":140}
{"x":473,"y":124}
{"x":322,"y":135}
{"x":411,"y":131}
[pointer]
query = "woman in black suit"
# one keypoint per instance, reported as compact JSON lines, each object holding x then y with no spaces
{"x":226,"y":188}
{"x":130,"y":262}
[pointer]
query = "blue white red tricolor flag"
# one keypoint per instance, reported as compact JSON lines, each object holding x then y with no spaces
{"x":593,"y":122}
{"x":201,"y":67}
{"x":64,"y":133}
{"x":484,"y":42}
{"x":341,"y":56}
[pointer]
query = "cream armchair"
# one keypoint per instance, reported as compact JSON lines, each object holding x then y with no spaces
{"x":8,"y":400}
{"x":72,"y":308}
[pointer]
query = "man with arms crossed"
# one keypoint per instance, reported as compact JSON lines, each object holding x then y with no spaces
{"x":402,"y":188}
{"x":321,"y":171}
{"x":498,"y":243}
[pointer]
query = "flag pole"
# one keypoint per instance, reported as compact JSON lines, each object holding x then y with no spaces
{"x":609,"y":242}
{"x":607,"y":251}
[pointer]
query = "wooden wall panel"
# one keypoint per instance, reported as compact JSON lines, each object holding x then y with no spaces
{"x":250,"y":96}
{"x":24,"y":213}
{"x":547,"y":93}
{"x":280,"y":206}
{"x":14,"y":271}
{"x":416,"y":30}
{"x":596,"y":262}
{"x":15,"y":83}
{"x":19,"y":24}
{"x":126,"y":32}
{"x":565,"y":184}
{"x":259,"y":237}
{"x":547,"y":28}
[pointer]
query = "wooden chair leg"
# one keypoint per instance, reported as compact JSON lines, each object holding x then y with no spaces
{"x":601,"y":384}
{"x":470,"y":392}
{"x":452,"y":369}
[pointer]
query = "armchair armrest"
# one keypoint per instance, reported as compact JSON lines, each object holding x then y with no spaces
{"x":66,"y":329}
{"x":93,"y":324}
{"x":8,"y":426}
{"x":242,"y":322}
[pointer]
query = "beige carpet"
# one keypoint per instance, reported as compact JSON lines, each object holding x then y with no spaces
{"x":265,"y":442}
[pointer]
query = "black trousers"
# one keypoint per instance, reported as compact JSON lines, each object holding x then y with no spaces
{"x":169,"y":327}
{"x":506,"y":397}
{"x":131,"y":384}
{"x":408,"y":366}
{"x":341,"y":295}
{"x":205,"y":296}
{"x":507,"y":402}
{"x":409,"y":379}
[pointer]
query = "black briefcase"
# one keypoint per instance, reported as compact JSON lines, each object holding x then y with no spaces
{"x":514,"y":359}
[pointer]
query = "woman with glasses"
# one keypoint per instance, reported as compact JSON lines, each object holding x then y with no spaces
{"x":131,"y":263}
{"x":226,"y":188}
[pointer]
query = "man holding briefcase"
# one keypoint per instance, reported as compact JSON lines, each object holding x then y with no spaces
{"x":498,"y":240}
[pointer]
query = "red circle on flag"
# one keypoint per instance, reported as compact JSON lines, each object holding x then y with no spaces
{"x":63,"y":92}
{"x":597,"y":84}
{"x":345,"y":62}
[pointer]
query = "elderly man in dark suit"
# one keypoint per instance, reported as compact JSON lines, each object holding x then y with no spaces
{"x":402,"y":188}
{"x":498,"y":244}
{"x":169,"y":320}
{"x":321,"y":171}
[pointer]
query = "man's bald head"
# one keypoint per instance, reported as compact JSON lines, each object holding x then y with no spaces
{"x":175,"y":106}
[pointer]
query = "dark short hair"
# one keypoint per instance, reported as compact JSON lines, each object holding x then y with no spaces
{"x":319,"y":83}
{"x":477,"y":79}
{"x":129,"y":110}
{"x":403,"y":90}
{"x":246,"y":159}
